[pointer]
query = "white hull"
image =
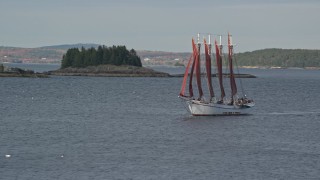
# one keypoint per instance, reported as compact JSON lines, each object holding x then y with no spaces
{"x":198,"y":108}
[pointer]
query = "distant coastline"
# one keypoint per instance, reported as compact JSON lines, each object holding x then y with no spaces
{"x":278,"y":67}
{"x":264,"y":58}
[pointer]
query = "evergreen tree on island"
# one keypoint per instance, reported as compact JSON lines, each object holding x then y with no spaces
{"x":115,"y":55}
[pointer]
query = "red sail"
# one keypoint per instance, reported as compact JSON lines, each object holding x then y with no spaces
{"x":197,"y":66}
{"x":194,"y":55}
{"x":219,"y":67}
{"x":185,"y":77}
{"x":232,"y":80}
{"x":208,"y":68}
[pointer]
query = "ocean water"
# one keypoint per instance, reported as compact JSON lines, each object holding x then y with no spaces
{"x":137,"y":128}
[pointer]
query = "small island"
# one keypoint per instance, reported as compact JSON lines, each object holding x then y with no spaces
{"x":115,"y":61}
{"x":18,"y":72}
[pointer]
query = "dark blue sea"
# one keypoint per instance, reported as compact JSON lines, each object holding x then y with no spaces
{"x":80,"y":128}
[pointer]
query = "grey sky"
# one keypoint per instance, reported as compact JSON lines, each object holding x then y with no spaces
{"x":164,"y":25}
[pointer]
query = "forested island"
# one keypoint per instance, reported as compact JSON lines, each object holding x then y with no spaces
{"x":115,"y":61}
{"x":115,"y":55}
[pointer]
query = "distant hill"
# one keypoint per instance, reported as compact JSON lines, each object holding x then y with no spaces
{"x":30,"y":55}
{"x":45,"y":54}
{"x":264,"y":57}
{"x":69,"y":46}
{"x":280,"y":58}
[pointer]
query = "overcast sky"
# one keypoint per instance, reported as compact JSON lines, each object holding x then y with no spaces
{"x":163,"y":25}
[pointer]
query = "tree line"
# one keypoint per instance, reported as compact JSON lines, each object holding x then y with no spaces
{"x":115,"y":55}
{"x":280,"y":58}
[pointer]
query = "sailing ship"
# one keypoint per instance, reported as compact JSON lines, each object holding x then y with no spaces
{"x":236,"y":104}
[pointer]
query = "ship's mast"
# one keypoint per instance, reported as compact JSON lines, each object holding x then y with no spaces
{"x":220,"y":45}
{"x":209,"y":64}
{"x":219,"y":66}
{"x":199,"y":43}
{"x":207,"y":49}
{"x":232,"y":79}
{"x":198,"y":69}
{"x":209,"y":45}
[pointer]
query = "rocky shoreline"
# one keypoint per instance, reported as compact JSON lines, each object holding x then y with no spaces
{"x":109,"y":71}
{"x":34,"y":75}
{"x":18,"y":72}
